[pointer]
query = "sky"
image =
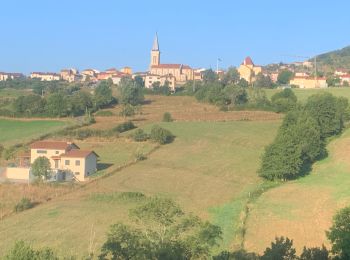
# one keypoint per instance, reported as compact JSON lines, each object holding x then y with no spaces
{"x":48,"y":35}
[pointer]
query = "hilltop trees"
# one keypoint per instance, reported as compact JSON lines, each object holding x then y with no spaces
{"x":103,"y":94}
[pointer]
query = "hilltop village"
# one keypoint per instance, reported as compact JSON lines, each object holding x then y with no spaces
{"x":300,"y":74}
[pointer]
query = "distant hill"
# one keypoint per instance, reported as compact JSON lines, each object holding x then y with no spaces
{"x":335,"y":59}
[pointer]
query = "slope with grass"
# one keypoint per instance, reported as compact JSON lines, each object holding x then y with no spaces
{"x":209,"y":167}
{"x":18,"y":131}
{"x":303,"y":209}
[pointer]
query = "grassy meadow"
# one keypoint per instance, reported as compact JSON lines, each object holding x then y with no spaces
{"x":208,"y":170}
{"x":303,"y":209}
{"x":19,"y":131}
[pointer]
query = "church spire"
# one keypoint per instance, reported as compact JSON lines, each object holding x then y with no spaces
{"x":155,"y":43}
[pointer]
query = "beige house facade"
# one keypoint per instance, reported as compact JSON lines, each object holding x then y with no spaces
{"x":6,"y":76}
{"x":248,"y":71}
{"x":309,"y":82}
{"x":67,"y":162}
{"x":169,"y":79}
{"x":45,"y":76}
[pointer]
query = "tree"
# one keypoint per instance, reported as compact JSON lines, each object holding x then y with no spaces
{"x":333,"y":81}
{"x":41,"y":168}
{"x":281,"y":249}
{"x":235,"y":95}
{"x":163,"y":231}
{"x":29,"y":105}
{"x":167,"y":117}
{"x":339,"y":233}
{"x":284,"y":77}
{"x":231,"y":76}
{"x":284,"y":100}
{"x":103,"y":94}
{"x":56,"y":105}
{"x":139,"y":82}
{"x":315,"y":253}
{"x":130,"y":93}
{"x":161,"y":135}
{"x":209,"y":76}
{"x":80,"y":102}
{"x":21,"y":251}
{"x":263,"y":81}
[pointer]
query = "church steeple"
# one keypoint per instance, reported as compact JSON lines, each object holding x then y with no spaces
{"x":155,"y":53}
{"x":155,"y":43}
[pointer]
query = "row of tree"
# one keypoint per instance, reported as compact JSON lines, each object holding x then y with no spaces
{"x":302,"y":137}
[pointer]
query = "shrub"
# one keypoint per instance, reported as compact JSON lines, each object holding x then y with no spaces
{"x":123,"y":127}
{"x":22,"y":251}
{"x":140,"y":156}
{"x":140,"y":136}
{"x":24,"y":204}
{"x":167,"y":117}
{"x":161,"y":135}
{"x":127,"y":111}
{"x":1,"y":150}
{"x":104,"y":113}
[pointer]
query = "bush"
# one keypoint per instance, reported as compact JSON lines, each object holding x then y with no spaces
{"x":23,"y":205}
{"x":22,"y":251}
{"x":127,"y":111}
{"x":167,"y":117}
{"x":104,"y":113}
{"x":123,"y":127}
{"x":140,"y":136}
{"x":2,"y":148}
{"x":140,"y":156}
{"x":161,"y":135}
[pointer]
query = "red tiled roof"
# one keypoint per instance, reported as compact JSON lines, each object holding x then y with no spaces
{"x":345,"y":76}
{"x":170,"y":66}
{"x":75,"y":153}
{"x":51,"y":145}
{"x":248,"y":61}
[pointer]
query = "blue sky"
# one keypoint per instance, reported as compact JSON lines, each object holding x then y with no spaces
{"x":47,"y":35}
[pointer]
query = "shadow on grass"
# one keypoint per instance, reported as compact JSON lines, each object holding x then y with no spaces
{"x":103,"y":166}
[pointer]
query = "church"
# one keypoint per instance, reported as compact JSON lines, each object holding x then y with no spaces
{"x":180,"y":72}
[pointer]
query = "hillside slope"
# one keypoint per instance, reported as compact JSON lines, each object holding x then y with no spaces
{"x":335,"y":59}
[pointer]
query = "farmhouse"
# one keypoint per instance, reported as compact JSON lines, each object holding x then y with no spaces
{"x":67,"y":162}
{"x":309,"y":82}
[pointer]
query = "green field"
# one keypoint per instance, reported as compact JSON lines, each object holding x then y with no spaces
{"x":303,"y":209}
{"x":303,"y":94}
{"x":18,"y":131}
{"x":13,"y":93}
{"x":208,"y":170}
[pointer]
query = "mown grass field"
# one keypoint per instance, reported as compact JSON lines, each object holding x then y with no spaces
{"x":208,"y":168}
{"x":19,"y":131}
{"x":303,"y":209}
{"x":303,"y":94}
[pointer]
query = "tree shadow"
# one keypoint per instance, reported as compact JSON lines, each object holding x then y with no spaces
{"x":103,"y":166}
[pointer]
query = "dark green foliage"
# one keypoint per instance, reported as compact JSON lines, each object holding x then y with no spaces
{"x":57,"y":105}
{"x":284,"y":77}
{"x":104,"y":113}
{"x":315,"y":253}
{"x":329,"y":111}
{"x":209,"y":76}
{"x":284,"y":101}
{"x":29,"y":105}
{"x":2,"y":148}
{"x":79,"y":103}
{"x":297,"y":145}
{"x":21,"y":251}
{"x":41,"y":168}
{"x":235,"y":95}
{"x":123,"y":127}
{"x":339,"y":234}
{"x":103,"y":94}
{"x":23,"y":205}
{"x":167,"y":117}
{"x":230,"y":77}
{"x":140,"y":136}
{"x":161,"y":135}
{"x":211,"y":93}
{"x":281,"y":249}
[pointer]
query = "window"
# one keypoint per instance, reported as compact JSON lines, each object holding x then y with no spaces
{"x":57,"y":152}
{"x":41,"y":151}
{"x":77,"y":173}
{"x":56,"y":164}
{"x":67,"y":162}
{"x":77,"y":163}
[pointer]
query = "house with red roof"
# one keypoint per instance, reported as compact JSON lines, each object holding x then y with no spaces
{"x":68,"y":162}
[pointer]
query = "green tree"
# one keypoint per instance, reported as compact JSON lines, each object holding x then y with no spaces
{"x":103,"y":94}
{"x":339,"y":234}
{"x":235,"y":95}
{"x":284,"y":77}
{"x":314,"y":253}
{"x":41,"y":168}
{"x":130,"y":93}
{"x":263,"y":81}
{"x":56,"y":105}
{"x":167,"y":117}
{"x":209,"y":76}
{"x":231,"y":76}
{"x":333,"y":81}
{"x":284,"y":100}
{"x":161,"y":135}
{"x":281,"y":249}
{"x":22,"y":251}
